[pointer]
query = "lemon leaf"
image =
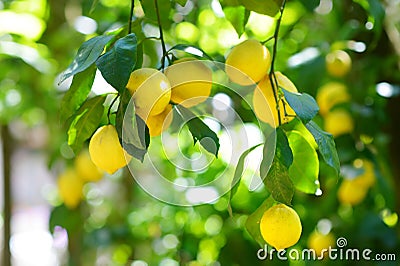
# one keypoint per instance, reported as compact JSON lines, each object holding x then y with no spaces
{"x":279,"y":183}
{"x":326,"y":145}
{"x":85,"y":122}
{"x":269,"y":8}
{"x":87,"y":54}
{"x":200,"y":131}
{"x":303,"y":104}
{"x":131,"y":129}
{"x":58,"y":218}
{"x":117,"y":64}
{"x":253,"y":221}
{"x":181,"y":2}
{"x":239,"y":171}
{"x":77,"y":93}
{"x":305,"y":167}
{"x":238,"y":17}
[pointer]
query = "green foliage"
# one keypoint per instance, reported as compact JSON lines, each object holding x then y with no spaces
{"x":303,"y":104}
{"x":68,"y":219}
{"x":238,"y":17}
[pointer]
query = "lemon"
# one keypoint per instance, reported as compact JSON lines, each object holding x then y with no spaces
{"x":351,"y":193}
{"x":86,"y":169}
{"x":159,"y":123}
{"x":248,"y":62}
{"x":280,"y":226}
{"x":339,"y":122}
{"x":264,"y":101}
{"x":321,"y":243}
{"x":151,"y":91}
{"x":366,"y":179}
{"x":331,"y":94}
{"x":70,"y":188}
{"x":191,"y":81}
{"x":105,"y":150}
{"x":338,"y":63}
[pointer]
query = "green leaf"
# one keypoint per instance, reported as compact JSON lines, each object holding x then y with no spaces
{"x":326,"y":145}
{"x":191,"y":49}
{"x":86,"y":56}
{"x":279,"y":183}
{"x":305,"y":167}
{"x":85,"y":122}
{"x":70,"y":220}
{"x":310,"y":5}
{"x":200,"y":131}
{"x":181,"y":2}
{"x":77,"y":93}
{"x":239,"y":171}
{"x":253,"y":221}
{"x":131,"y":129}
{"x":266,"y":7}
{"x":303,"y":104}
{"x":118,"y":63}
{"x":238,"y":17}
{"x":268,"y":154}
{"x":150,"y":12}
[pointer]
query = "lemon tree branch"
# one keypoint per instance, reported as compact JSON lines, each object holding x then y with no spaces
{"x":131,"y":17}
{"x":164,"y":49}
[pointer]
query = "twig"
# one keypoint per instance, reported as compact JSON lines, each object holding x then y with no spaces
{"x":164,"y":49}
{"x":131,"y":17}
{"x":109,"y":108}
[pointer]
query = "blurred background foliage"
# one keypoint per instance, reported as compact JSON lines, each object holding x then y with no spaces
{"x":118,"y":223}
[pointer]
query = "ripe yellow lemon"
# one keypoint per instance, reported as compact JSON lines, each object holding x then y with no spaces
{"x":280,"y":226}
{"x":151,"y":91}
{"x":159,"y":123}
{"x":248,"y":62}
{"x":339,"y":122}
{"x":338,"y":63}
{"x":331,"y":94}
{"x":321,"y":243}
{"x":367,"y":179}
{"x":351,"y":193}
{"x":264,"y":103}
{"x":191,"y":81}
{"x":105,"y":150}
{"x":86,"y":169}
{"x":70,"y":188}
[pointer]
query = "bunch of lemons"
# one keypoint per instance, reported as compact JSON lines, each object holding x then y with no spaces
{"x":331,"y":95}
{"x":71,"y":181}
{"x":353,"y":191}
{"x":248,"y":63}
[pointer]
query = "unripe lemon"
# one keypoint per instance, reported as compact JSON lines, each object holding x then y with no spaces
{"x":338,"y":63}
{"x":264,"y":103}
{"x":86,"y":169}
{"x":280,"y":226}
{"x":151,"y":91}
{"x":159,"y":123}
{"x":331,"y":94}
{"x":191,"y":81}
{"x":70,"y":188}
{"x":321,"y":243}
{"x":339,"y":122}
{"x":248,"y":62}
{"x":105,"y":150}
{"x":351,"y":193}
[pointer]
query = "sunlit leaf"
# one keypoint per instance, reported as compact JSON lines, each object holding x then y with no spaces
{"x":253,"y":221}
{"x":239,"y":171}
{"x":238,"y":17}
{"x":164,"y":10}
{"x":77,"y":93}
{"x":181,"y":2}
{"x":326,"y":145}
{"x":303,"y":104}
{"x":85,"y":122}
{"x":269,"y":7}
{"x":131,"y":129}
{"x":86,"y":56}
{"x":279,"y":183}
{"x":200,"y":131}
{"x":305,"y":167}
{"x":118,"y":63}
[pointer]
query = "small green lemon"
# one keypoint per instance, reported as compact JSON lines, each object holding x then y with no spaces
{"x":248,"y":62}
{"x":280,"y":226}
{"x":105,"y":150}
